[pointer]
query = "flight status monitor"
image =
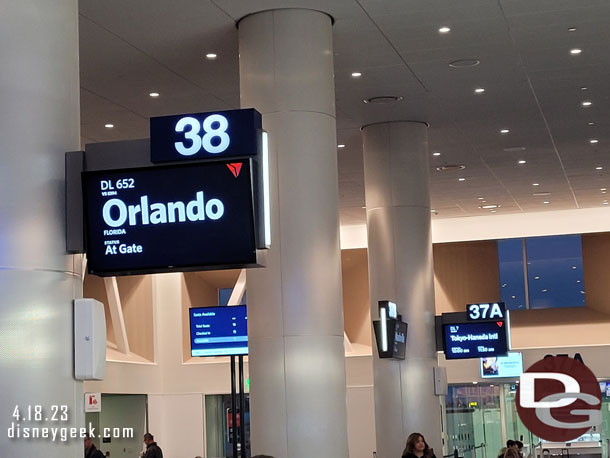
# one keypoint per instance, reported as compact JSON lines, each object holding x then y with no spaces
{"x":475,"y":339}
{"x":219,"y":331}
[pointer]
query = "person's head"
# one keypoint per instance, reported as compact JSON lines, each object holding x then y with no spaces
{"x":511,"y":452}
{"x":416,"y":443}
{"x":519,"y":445}
{"x":88,"y":442}
{"x":510,"y":443}
{"x":148,"y":438}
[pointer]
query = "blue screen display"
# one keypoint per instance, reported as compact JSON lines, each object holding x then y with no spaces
{"x":475,"y":339}
{"x":219,"y":331}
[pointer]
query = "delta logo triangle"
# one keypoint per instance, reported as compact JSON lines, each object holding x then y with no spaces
{"x":235,"y":168}
{"x":500,"y":323}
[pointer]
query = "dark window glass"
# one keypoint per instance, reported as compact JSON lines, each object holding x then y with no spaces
{"x":224,"y":294}
{"x":512,"y":282}
{"x":555,"y":272}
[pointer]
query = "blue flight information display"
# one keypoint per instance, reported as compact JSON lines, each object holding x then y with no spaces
{"x":219,"y":331}
{"x":475,"y":339}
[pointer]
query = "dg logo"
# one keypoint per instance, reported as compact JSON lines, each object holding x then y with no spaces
{"x":559,"y":399}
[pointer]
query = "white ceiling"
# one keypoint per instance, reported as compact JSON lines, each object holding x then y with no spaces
{"x":532,"y":87}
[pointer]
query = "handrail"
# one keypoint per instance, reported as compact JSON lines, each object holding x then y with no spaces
{"x":456,"y":454}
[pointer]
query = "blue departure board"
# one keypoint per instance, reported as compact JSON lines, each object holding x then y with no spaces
{"x":219,"y":331}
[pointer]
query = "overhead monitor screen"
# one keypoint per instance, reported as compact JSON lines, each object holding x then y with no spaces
{"x":475,"y":339}
{"x":171,"y":218}
{"x":219,"y":331}
{"x":510,"y":365}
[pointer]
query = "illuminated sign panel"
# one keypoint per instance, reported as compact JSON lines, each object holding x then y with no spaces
{"x":475,"y":340}
{"x":170,"y":218}
{"x":219,"y":331}
{"x":222,"y":134}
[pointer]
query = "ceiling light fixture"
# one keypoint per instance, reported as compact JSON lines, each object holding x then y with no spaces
{"x":521,"y":162}
{"x":535,"y":184}
{"x":575,"y":51}
{"x":540,"y":194}
{"x":594,"y":140}
{"x":436,"y":153}
{"x":504,"y":131}
{"x":546,"y":202}
{"x":448,"y":168}
{"x":461,"y":179}
{"x":481,"y":198}
{"x":154,"y":94}
{"x":463,"y":63}
{"x":572,"y":29}
{"x":341,"y":145}
{"x":444,"y":29}
{"x":487,"y":207}
{"x":587,"y":103}
{"x":479,"y":90}
{"x":384,"y":99}
{"x":599,"y":168}
{"x":584,"y":88}
{"x":591,"y":123}
{"x":356,"y":74}
{"x":493,"y":211}
{"x":108,"y":126}
{"x":602,"y":189}
{"x":211,"y":56}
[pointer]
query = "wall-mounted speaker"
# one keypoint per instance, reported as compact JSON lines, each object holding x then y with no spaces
{"x":89,"y":340}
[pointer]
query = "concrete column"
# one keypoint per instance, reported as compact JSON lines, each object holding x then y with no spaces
{"x":295,"y":316}
{"x":400,"y":269}
{"x":39,"y":121}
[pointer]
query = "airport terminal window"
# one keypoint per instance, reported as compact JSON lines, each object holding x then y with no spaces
{"x":512,"y":280}
{"x":541,"y":272}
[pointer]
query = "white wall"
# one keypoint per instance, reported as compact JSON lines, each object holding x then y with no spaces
{"x":496,"y":226}
{"x":176,"y":422}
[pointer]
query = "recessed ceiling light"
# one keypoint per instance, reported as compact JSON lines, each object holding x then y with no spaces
{"x":493,"y":211}
{"x":444,"y":29}
{"x":432,"y":211}
{"x":602,"y":189}
{"x":341,"y":145}
{"x":448,"y":168}
{"x":211,"y":56}
{"x":384,"y":99}
{"x":481,"y":198}
{"x":575,"y":51}
{"x":542,"y":193}
{"x":594,"y":140}
{"x":461,"y":179}
{"x":584,"y":88}
{"x":504,"y":131}
{"x":546,"y":202}
{"x":487,"y":207}
{"x":521,"y":162}
{"x":483,"y":201}
{"x":604,"y":192}
{"x":462,"y":63}
{"x":479,"y":90}
{"x":436,"y":153}
{"x":587,"y":103}
{"x":535,"y":184}
{"x":599,"y":168}
{"x":572,"y":29}
{"x":356,"y":74}
{"x":591,"y":123}
{"x":108,"y":126}
{"x":154,"y":94}
{"x":605,"y":203}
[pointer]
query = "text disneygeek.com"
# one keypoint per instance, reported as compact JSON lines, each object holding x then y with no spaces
{"x":28,"y":424}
